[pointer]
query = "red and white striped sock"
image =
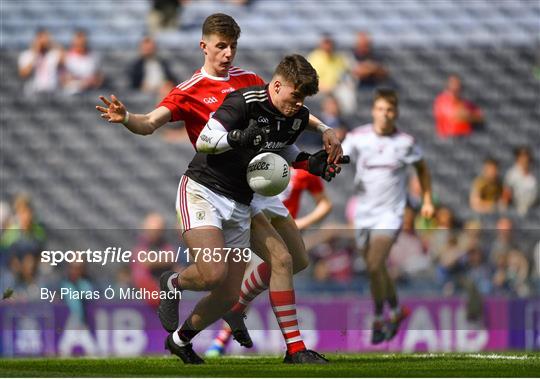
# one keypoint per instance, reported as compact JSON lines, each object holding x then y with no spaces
{"x":256,"y":282}
{"x":223,"y":336}
{"x":283,"y":304}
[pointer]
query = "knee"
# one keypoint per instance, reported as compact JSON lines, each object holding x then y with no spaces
{"x":215,"y":277}
{"x":282,"y":261}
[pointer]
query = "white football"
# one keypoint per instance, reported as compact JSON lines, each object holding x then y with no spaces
{"x":268,"y":174}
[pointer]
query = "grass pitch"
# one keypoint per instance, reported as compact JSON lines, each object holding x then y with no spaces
{"x":341,"y":365}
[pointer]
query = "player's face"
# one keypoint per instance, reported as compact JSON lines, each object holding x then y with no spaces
{"x":384,"y":116}
{"x":287,"y":99}
{"x":219,"y":52}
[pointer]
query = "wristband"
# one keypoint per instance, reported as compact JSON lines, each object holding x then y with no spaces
{"x":323,"y":128}
{"x":126,"y":118}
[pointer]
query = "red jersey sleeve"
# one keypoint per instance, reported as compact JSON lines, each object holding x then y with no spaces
{"x":175,"y":101}
{"x":314,"y":184}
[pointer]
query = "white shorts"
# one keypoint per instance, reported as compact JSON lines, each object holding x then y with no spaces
{"x":197,"y":205}
{"x":272,"y":206}
{"x":388,"y":224}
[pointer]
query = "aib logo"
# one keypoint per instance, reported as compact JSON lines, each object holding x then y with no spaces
{"x":210,"y":100}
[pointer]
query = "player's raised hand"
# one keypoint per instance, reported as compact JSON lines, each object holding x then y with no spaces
{"x":332,"y":146}
{"x":114,"y":111}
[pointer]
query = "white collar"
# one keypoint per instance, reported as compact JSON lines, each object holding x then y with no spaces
{"x":220,"y":78}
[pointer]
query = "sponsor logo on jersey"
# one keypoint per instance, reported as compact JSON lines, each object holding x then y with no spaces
{"x":227,"y":90}
{"x":258,"y":166}
{"x":271,"y":145}
{"x":210,"y":100}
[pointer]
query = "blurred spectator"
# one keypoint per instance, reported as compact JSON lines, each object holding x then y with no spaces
{"x":437,"y":239}
{"x":81,"y":66}
{"x":165,"y":14}
{"x":24,"y":268}
{"x":470,"y":235}
{"x":476,"y":281}
{"x":330,"y":65}
{"x":40,"y":65}
{"x":149,"y":73}
{"x":152,"y":238}
{"x":512,"y":274}
{"x":76,"y":281}
{"x":478,"y":271}
{"x":455,"y":116}
{"x":536,"y":265}
{"x":486,"y":190}
{"x":5,"y":215}
{"x":24,"y":234}
{"x":502,"y":242}
{"x":520,"y":185}
{"x":331,"y":116}
{"x":447,"y":252}
{"x":334,"y":261}
{"x":368,"y":68}
{"x":123,"y":279}
{"x":408,"y":259}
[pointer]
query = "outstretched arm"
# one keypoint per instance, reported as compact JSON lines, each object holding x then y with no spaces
{"x":425,"y":183}
{"x":144,"y":124}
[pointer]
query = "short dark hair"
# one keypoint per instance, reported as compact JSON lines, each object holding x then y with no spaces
{"x":222,"y":25}
{"x":298,"y":71}
{"x":387,"y":94}
{"x":522,"y":150}
{"x":491,"y":161}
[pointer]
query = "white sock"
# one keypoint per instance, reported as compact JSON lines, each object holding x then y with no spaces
{"x":177,"y":340}
{"x":170,"y":284}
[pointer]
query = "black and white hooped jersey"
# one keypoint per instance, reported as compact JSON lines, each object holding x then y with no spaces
{"x":226,"y":173}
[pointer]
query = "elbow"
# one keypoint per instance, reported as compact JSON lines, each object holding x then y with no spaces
{"x":329,"y":206}
{"x":147,"y":132}
{"x":203,"y":147}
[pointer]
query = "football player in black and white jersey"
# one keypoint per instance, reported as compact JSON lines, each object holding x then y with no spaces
{"x":214,"y":197}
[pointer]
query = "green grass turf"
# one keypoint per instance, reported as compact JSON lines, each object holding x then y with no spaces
{"x":350,"y":365}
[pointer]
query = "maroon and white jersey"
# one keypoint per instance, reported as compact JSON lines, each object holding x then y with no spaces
{"x":381,"y":163}
{"x":195,"y":100}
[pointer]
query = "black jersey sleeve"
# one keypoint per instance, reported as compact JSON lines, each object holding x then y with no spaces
{"x":232,"y":113}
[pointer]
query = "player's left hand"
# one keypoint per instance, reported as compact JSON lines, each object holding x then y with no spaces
{"x":318,"y":165}
{"x":427,"y":210}
{"x":332,"y":146}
